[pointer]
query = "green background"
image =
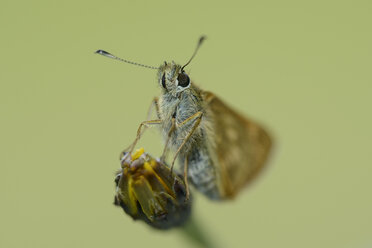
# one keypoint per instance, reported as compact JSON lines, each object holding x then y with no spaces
{"x":303,"y":68}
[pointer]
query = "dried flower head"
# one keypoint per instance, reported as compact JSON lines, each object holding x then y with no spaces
{"x":148,"y":190}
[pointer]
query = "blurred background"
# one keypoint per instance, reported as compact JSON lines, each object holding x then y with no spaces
{"x":303,"y":69}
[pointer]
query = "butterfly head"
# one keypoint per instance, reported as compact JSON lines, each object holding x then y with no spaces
{"x":172,"y":78}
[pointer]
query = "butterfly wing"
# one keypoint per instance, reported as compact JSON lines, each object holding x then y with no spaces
{"x":239,"y":147}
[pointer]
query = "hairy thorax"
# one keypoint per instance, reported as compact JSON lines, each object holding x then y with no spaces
{"x":201,"y":170}
{"x":181,"y":108}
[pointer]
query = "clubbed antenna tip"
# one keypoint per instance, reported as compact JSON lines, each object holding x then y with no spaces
{"x":201,"y":39}
{"x":109,"y":55}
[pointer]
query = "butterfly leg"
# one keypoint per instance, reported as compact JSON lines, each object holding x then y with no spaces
{"x":185,"y":168}
{"x":154,"y":103}
{"x":195,"y":117}
{"x":139,"y":133}
{"x":166,"y":147}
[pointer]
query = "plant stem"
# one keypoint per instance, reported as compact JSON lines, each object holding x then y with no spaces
{"x":194,"y":232}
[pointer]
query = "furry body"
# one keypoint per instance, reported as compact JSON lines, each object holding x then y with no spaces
{"x":201,"y":169}
{"x":223,"y":150}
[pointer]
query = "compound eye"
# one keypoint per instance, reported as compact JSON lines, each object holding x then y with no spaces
{"x":163,"y":81}
{"x":183,"y":79}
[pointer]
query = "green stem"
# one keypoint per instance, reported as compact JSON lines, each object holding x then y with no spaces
{"x":194,"y":232}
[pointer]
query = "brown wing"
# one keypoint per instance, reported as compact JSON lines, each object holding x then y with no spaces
{"x":241,"y":146}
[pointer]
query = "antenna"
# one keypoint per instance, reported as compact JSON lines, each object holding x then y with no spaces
{"x":109,"y":55}
{"x":201,"y":39}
